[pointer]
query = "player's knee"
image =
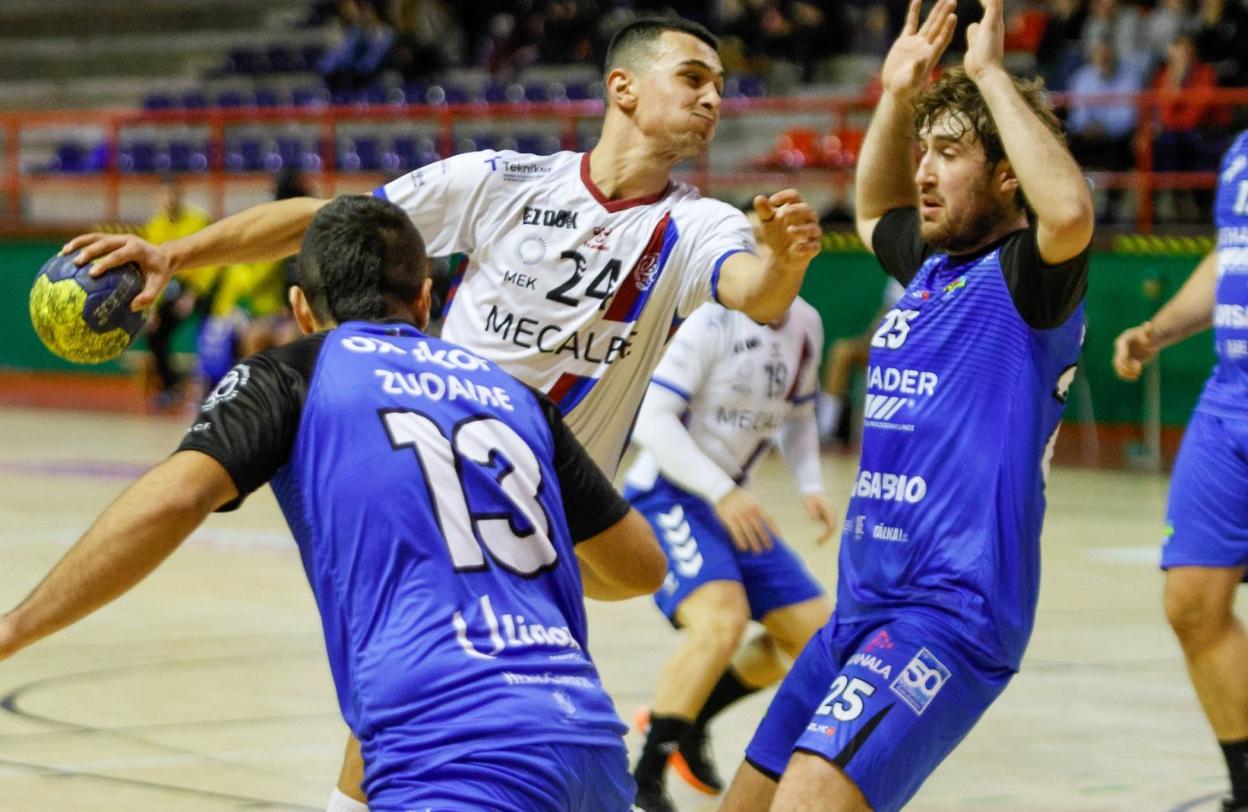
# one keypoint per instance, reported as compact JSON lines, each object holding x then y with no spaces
{"x":1195,"y":618}
{"x":721,"y":634}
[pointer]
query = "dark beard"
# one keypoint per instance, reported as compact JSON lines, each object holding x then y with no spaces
{"x":971,"y":234}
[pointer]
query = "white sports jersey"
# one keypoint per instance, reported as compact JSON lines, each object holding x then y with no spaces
{"x":570,"y":292}
{"x":742,"y":381}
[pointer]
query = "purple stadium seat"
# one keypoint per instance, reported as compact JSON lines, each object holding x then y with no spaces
{"x":752,"y":87}
{"x":268,"y":97}
{"x":71,"y":157}
{"x":232,"y":99}
{"x":194,"y":100}
{"x":312,"y":96}
{"x":282,"y":59}
{"x":137,"y":156}
{"x":188,"y":156}
{"x":159,"y":100}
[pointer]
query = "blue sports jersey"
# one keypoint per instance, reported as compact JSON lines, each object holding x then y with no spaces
{"x":452,"y":606}
{"x":1226,"y":392}
{"x":964,"y":395}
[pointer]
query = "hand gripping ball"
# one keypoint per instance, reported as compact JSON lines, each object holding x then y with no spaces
{"x":83,"y":319}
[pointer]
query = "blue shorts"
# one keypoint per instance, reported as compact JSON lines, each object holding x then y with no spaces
{"x":534,"y":778}
{"x":1207,"y":518}
{"x":699,"y":550}
{"x":884,"y":700}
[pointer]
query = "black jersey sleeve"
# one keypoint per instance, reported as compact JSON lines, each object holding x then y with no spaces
{"x":897,"y":244}
{"x":1044,"y":295}
{"x":590,"y":502}
{"x":249,"y":421}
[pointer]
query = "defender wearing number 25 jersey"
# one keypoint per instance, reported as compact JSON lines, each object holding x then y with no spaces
{"x":940,"y":554}
{"x":457,"y":610}
{"x":566,"y":289}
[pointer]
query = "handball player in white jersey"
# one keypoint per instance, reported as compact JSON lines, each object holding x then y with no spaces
{"x":726,"y":391}
{"x":580,"y":265}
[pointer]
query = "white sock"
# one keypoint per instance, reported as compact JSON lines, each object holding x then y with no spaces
{"x":338,"y":802}
{"x":828,"y":413}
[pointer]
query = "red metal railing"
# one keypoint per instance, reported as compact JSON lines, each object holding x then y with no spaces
{"x":16,"y":182}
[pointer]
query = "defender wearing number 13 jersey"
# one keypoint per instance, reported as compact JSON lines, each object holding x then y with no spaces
{"x":566,"y":289}
{"x":453,"y":618}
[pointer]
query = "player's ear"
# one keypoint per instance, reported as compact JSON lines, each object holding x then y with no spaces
{"x":1007,"y":181}
{"x":423,"y":303}
{"x":621,"y":90}
{"x":302,"y":310}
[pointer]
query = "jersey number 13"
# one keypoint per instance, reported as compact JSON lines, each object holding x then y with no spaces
{"x":518,"y":539}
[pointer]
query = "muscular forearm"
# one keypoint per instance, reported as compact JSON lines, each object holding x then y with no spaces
{"x":262,"y":233}
{"x":1191,"y":309}
{"x":1048,"y":175}
{"x":885,"y":174}
{"x":761,"y":287}
{"x":133,"y":535}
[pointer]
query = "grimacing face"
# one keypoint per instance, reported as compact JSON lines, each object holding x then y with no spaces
{"x":679,"y":94}
{"x":959,"y":203}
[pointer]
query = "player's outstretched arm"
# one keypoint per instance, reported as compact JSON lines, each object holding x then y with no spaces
{"x":1045,"y":169}
{"x":623,"y":561}
{"x":1187,"y":313}
{"x":762,"y":287}
{"x":129,"y":539}
{"x":885,"y":176}
{"x":262,"y":233}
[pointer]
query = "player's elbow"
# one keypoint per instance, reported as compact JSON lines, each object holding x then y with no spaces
{"x":648,"y":564}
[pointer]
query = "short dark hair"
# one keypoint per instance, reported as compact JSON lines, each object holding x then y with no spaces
{"x":956,"y":95}
{"x":632,"y":43}
{"x":361,"y":260}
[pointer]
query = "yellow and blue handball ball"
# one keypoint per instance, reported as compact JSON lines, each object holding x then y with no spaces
{"x":84,"y":319}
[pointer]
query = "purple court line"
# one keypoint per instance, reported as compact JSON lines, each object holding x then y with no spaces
{"x":99,"y":469}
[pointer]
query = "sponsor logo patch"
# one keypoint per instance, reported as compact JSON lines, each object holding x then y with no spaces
{"x":920,"y":681}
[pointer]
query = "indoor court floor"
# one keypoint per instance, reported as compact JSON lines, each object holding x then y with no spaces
{"x":206,"y":688}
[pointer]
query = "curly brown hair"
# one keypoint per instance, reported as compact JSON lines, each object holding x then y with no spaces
{"x":956,"y":96}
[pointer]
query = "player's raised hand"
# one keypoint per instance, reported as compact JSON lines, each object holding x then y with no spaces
{"x":790,"y":228}
{"x":1133,"y":349}
{"x":985,"y":41}
{"x":918,"y":48}
{"x":107,"y":251}
{"x":820,"y":509}
{"x":747,"y":523}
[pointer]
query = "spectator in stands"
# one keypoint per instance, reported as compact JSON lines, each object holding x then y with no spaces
{"x":1222,"y":40}
{"x":1169,"y":19}
{"x":430,"y":38}
{"x":1188,"y":140}
{"x":1121,"y":23}
{"x":1058,"y":54}
{"x":172,"y":219}
{"x":361,"y":54}
{"x":568,"y":32}
{"x":512,"y":44}
{"x":1100,"y":132}
{"x":1024,"y":27}
{"x":795,"y":31}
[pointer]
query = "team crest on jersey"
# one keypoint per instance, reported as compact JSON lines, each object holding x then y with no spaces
{"x":647,"y":270}
{"x":598,"y":242}
{"x":955,"y":285}
{"x":227,"y":389}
